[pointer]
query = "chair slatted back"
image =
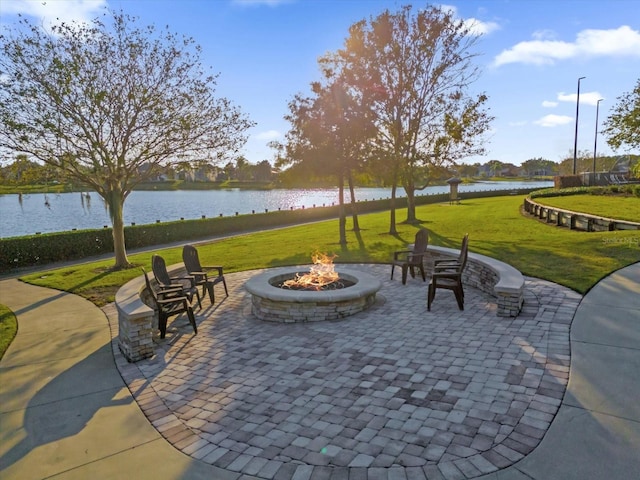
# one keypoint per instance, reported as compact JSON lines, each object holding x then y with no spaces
{"x":159,"y":268}
{"x":191,"y":259}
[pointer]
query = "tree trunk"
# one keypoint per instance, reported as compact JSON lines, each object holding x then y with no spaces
{"x":392,"y":205}
{"x":411,"y":204}
{"x":342,"y":212}
{"x":354,"y":206}
{"x":392,"y":211}
{"x":115,"y":202}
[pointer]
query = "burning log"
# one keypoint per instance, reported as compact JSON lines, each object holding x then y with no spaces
{"x":321,"y":276}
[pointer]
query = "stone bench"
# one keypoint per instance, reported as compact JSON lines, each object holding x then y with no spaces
{"x":492,"y":276}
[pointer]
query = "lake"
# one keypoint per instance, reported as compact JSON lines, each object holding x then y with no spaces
{"x":45,"y":213}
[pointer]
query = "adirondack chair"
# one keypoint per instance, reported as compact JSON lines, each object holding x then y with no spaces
{"x":169,"y":302}
{"x":203,"y":275}
{"x":187,"y":283}
{"x":447,"y":275}
{"x":409,"y":260}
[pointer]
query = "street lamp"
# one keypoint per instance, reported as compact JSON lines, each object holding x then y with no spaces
{"x":575,"y":141}
{"x":595,"y":141}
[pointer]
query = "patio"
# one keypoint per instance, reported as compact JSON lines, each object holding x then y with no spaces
{"x":393,"y":387}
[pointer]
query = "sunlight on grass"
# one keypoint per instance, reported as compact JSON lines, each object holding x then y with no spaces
{"x":8,"y":328}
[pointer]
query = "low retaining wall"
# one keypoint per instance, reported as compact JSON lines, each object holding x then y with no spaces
{"x":575,"y":220}
{"x":492,"y":276}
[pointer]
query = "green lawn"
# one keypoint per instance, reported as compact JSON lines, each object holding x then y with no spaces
{"x":8,"y":328}
{"x":619,"y":207}
{"x":495,"y":226}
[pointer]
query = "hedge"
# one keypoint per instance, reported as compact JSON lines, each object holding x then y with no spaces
{"x":43,"y":249}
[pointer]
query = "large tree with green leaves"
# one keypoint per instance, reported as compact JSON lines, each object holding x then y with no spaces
{"x":330,"y":134}
{"x":420,"y":64}
{"x":112,"y":104}
{"x":622,"y":127}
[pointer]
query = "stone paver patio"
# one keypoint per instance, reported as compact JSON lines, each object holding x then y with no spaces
{"x":392,"y":392}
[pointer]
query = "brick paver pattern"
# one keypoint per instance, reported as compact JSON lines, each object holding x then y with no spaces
{"x":392,"y":392}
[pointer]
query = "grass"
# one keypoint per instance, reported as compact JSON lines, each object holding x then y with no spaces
{"x":8,"y":328}
{"x":495,"y":226}
{"x":619,"y":207}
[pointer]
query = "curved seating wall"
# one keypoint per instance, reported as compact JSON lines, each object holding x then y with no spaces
{"x":489,"y":275}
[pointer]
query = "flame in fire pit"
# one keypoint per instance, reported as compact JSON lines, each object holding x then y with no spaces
{"x":320,"y":274}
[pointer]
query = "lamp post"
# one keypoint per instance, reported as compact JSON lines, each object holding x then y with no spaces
{"x":595,"y":140}
{"x":575,"y":140}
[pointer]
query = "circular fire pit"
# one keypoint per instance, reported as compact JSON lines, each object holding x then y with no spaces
{"x":271,"y":303}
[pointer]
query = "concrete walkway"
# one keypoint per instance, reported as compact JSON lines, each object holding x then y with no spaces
{"x":66,"y":412}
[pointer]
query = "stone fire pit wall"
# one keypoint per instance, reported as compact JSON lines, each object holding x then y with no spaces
{"x":274,"y":304}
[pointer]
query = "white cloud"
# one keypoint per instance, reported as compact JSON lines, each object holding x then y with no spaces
{"x":53,"y":12}
{"x":549,"y":104}
{"x":553,"y":120}
{"x":475,"y":26}
{"x":623,"y":41}
{"x":268,"y":135}
{"x":586,"y":98}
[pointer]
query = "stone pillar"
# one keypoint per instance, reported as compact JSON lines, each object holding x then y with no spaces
{"x":453,"y":189}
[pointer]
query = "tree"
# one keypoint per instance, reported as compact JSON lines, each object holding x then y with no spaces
{"x":420,"y":64}
{"x":622,"y":127}
{"x":111,"y":104}
{"x":330,"y":134}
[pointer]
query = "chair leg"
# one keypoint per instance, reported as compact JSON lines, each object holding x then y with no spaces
{"x":199,"y":300}
{"x":224,"y":282}
{"x":405,"y":267}
{"x":209,"y":287}
{"x":392,"y":269}
{"x":459,"y":297}
{"x":431,"y":293}
{"x":162,"y":324}
{"x":192,"y":320}
{"x":421,"y":267}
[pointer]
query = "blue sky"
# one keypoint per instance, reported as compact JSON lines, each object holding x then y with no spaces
{"x":532,"y":53}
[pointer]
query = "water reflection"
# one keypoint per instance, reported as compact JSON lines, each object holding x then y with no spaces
{"x":24,"y":215}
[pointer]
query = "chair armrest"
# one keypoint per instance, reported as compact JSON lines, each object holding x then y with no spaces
{"x":401,"y":252}
{"x":447,"y":266}
{"x":197,"y":274}
{"x":446,"y":274}
{"x":190,"y":278}
{"x":170,"y":300}
{"x":174,"y":287}
{"x":214,"y":267}
{"x":442,"y":261}
{"x":172,"y":292}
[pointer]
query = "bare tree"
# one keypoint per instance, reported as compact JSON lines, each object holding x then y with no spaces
{"x":112,"y":104}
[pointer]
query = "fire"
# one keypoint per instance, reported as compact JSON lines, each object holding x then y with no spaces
{"x":320,"y":274}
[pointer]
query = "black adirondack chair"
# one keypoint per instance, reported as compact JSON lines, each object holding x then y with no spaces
{"x":409,"y":260}
{"x":207,"y":276}
{"x":447,"y":275}
{"x":169,"y":302}
{"x":187,"y":283}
